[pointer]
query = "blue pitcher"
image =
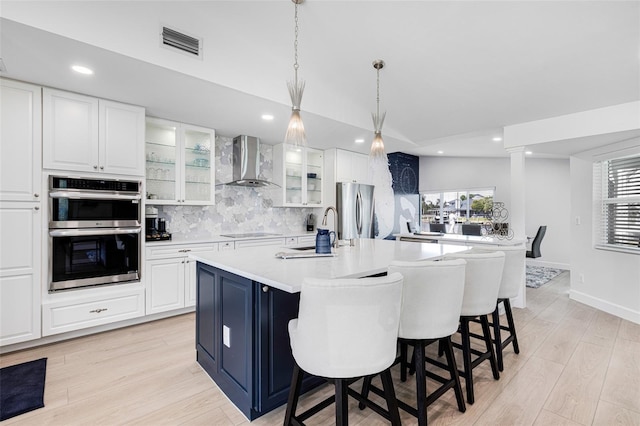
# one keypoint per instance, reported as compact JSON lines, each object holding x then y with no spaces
{"x":324,"y":241}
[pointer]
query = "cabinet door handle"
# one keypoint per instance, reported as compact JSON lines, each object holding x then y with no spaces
{"x":101,"y":167}
{"x":36,"y":195}
{"x":36,"y":208}
{"x":95,"y":167}
{"x":98,"y":310}
{"x":265,"y":288}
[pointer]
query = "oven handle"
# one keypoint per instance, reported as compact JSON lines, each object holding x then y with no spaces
{"x":93,"y":196}
{"x":93,"y":231}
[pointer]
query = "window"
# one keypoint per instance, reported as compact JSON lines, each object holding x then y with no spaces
{"x":456,"y":207}
{"x":617,"y":203}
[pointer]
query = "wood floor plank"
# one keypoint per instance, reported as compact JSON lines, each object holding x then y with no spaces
{"x":622,"y":384}
{"x":610,"y":414}
{"x":575,"y":395}
{"x":523,"y":398}
{"x":547,"y":418}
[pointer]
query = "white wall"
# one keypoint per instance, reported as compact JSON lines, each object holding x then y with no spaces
{"x":547,"y":194}
{"x":611,"y":279}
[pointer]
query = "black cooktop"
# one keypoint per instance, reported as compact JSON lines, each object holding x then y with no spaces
{"x":249,"y":235}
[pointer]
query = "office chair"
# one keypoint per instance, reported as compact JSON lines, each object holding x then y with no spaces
{"x":535,"y":244}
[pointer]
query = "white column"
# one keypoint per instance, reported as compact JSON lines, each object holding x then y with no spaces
{"x":517,"y":209}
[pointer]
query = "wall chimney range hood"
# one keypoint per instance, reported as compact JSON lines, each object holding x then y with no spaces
{"x":246,"y":162}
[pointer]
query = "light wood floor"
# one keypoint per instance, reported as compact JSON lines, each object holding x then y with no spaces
{"x":577,"y":366}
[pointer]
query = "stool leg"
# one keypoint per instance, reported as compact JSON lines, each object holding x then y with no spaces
{"x":511,"y":323}
{"x":390,"y":397}
{"x":489,"y":344}
{"x":497,"y":338}
{"x":294,"y":394}
{"x":421,"y":382}
{"x":342,"y":404}
{"x":403,"y":362}
{"x":366,"y":384}
{"x":453,"y":369}
{"x":466,"y":356}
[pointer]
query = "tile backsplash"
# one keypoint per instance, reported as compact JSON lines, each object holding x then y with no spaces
{"x":236,"y":209}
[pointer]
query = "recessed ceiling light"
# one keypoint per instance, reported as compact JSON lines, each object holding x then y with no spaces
{"x":82,"y":70}
{"x":267,"y":117}
{"x":528,"y":152}
{"x":440,"y":152}
{"x":497,"y":139}
{"x":359,"y":141}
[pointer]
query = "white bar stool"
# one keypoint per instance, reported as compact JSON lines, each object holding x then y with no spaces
{"x":431,"y":307}
{"x":512,"y":279}
{"x":482,"y":283}
{"x":346,"y":329}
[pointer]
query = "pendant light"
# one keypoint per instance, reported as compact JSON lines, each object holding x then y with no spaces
{"x":295,"y":132}
{"x":377,"y":153}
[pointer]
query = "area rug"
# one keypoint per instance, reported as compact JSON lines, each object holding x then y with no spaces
{"x":22,"y":388}
{"x":539,"y":275}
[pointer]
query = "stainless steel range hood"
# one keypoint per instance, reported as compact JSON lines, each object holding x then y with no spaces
{"x":246,"y":162}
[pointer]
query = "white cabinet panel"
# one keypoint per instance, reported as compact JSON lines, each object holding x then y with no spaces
{"x":19,"y":308}
{"x":70,"y":131}
{"x":261,"y":242}
{"x":86,"y":134}
{"x":121,"y":138}
{"x":166,"y":291}
{"x":21,"y":141}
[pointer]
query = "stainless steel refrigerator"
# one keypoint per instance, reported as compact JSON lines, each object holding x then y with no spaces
{"x":354,"y":202}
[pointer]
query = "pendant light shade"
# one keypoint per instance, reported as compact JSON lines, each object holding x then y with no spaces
{"x":295,"y":131}
{"x":377,"y":153}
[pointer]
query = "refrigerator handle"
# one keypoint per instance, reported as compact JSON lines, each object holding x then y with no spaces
{"x":359,"y":213}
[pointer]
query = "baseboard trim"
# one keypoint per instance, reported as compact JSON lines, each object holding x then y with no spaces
{"x":557,"y":265}
{"x":608,"y":307}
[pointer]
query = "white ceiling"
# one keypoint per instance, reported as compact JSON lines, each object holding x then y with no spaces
{"x":456,"y":72}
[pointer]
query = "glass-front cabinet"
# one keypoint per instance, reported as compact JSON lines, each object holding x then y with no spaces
{"x":179,"y":163}
{"x":299,"y":173}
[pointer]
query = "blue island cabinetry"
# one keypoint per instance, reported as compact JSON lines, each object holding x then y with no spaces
{"x":242,"y":340}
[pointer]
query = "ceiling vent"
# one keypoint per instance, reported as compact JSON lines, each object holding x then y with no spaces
{"x":181,"y":41}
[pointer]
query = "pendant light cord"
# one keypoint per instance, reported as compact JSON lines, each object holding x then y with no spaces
{"x":295,"y":45}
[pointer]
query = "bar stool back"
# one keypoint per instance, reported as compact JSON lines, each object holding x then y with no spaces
{"x":346,"y":329}
{"x":510,"y":286}
{"x":431,"y":307}
{"x":482,"y":283}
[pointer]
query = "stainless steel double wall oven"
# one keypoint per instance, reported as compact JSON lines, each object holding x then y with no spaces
{"x":94,"y":232}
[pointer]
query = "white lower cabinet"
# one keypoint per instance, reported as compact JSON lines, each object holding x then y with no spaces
{"x":170,"y":277}
{"x":71,"y":312}
{"x":20,"y":254}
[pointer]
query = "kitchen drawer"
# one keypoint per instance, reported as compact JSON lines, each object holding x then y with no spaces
{"x":74,"y":314}
{"x":307,"y":240}
{"x":259,"y":243}
{"x":178,"y":250}
{"x":229,"y":245}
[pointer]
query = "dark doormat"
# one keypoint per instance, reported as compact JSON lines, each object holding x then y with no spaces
{"x":22,"y":388}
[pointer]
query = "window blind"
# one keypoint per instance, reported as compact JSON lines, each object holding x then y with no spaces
{"x":619,"y":198}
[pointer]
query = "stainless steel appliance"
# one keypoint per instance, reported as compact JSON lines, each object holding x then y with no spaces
{"x":246,"y":162}
{"x":354,"y":202}
{"x":94,"y":232}
{"x":155,"y":228}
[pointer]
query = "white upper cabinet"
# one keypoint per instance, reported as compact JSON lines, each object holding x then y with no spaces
{"x":343,"y":166}
{"x":299,"y":172}
{"x":179,"y":163}
{"x":21,"y":143}
{"x":86,"y":134}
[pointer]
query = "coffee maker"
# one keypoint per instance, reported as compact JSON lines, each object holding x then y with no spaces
{"x":155,"y":228}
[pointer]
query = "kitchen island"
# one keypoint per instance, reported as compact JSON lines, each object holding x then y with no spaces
{"x":246,"y":298}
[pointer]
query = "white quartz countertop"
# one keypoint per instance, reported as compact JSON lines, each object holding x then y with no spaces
{"x":366,"y":257}
{"x":219,"y":239}
{"x":469,"y":240}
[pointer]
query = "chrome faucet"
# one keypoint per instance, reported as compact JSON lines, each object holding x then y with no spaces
{"x":324,"y":223}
